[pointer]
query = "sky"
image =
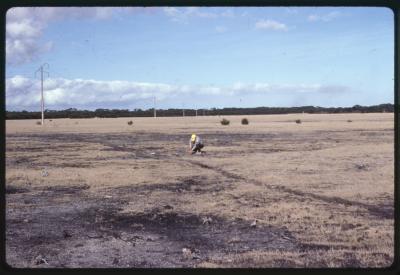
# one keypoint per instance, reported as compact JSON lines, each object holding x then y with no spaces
{"x":199,"y":57}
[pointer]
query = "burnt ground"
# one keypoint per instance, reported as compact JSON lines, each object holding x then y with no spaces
{"x":56,"y":221}
{"x":70,"y":226}
{"x":154,"y":238}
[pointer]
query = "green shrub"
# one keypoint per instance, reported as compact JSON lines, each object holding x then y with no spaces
{"x":225,"y":122}
{"x":245,"y":121}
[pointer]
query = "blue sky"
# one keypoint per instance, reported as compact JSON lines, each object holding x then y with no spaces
{"x":199,"y":57}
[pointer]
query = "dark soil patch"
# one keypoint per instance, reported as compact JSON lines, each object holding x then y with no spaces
{"x":139,"y":140}
{"x":217,"y":169}
{"x":156,"y":237}
{"x":303,"y":247}
{"x":70,"y":189}
{"x":71,"y":164}
{"x":385,"y":211}
{"x":138,"y":143}
{"x":74,"y":165}
{"x":19,"y":161}
{"x":12,"y":189}
{"x":219,"y":236}
{"x":22,"y":160}
{"x":35,"y":162}
{"x":195,"y":184}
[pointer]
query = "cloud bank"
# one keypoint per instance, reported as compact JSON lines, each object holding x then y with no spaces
{"x":24,"y":93}
{"x":25,"y":26}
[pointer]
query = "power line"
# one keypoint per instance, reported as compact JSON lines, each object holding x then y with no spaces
{"x":41,"y":78}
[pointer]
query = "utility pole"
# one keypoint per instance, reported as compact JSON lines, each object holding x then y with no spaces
{"x":155,"y":112}
{"x":41,"y":80}
{"x":183,"y":109}
{"x":196,"y":112}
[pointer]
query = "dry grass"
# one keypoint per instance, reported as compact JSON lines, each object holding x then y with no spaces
{"x":331,"y":258}
{"x":328,"y":183}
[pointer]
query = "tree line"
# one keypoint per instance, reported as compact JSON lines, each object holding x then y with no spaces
{"x":108,"y":113}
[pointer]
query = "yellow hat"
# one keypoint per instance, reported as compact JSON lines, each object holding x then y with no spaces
{"x":193,"y":137}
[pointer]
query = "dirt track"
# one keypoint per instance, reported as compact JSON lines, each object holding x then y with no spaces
{"x":98,"y":197}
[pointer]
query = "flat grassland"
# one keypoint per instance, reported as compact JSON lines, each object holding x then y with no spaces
{"x":274,"y":193}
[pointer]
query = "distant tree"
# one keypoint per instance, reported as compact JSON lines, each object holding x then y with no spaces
{"x":75,"y":113}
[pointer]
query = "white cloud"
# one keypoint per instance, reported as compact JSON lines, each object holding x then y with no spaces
{"x":262,"y":88}
{"x":270,"y":25}
{"x":324,"y":17}
{"x":25,"y":25}
{"x":59,"y":93}
{"x":184,"y":14}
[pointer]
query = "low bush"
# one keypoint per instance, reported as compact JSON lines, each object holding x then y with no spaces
{"x":245,"y":121}
{"x":225,"y":122}
{"x":298,"y":121}
{"x":38,"y":123}
{"x":130,"y":122}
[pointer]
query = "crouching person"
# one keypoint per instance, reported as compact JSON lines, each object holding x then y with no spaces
{"x":195,"y":144}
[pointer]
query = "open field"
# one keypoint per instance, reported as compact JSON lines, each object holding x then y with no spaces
{"x":101,"y":193}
